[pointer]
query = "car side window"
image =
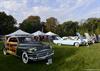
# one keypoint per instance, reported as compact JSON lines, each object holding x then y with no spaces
{"x":13,"y":44}
{"x":12,"y":40}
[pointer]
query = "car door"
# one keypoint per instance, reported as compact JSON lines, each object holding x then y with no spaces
{"x":68,"y":42}
{"x":12,"y":44}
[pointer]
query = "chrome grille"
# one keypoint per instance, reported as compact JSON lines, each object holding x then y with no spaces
{"x":44,"y":53}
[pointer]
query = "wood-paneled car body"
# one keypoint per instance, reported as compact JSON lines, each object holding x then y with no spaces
{"x":27,"y":49}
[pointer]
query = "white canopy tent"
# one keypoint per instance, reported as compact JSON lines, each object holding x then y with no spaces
{"x":19,"y":33}
{"x":37,"y":33}
{"x":50,"y":34}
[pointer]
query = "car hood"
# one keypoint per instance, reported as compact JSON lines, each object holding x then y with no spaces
{"x":37,"y":46}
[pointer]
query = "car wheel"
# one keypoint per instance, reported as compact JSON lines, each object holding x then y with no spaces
{"x":76,"y":44}
{"x":25,"y":57}
{"x":87,"y":44}
{"x":93,"y":41}
{"x":5,"y":51}
{"x":49,"y":61}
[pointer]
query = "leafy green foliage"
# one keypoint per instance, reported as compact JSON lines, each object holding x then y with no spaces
{"x":51,"y":24}
{"x":7,"y":24}
{"x":70,"y":28}
{"x":59,"y":30}
{"x":91,"y":25}
{"x":31,"y":24}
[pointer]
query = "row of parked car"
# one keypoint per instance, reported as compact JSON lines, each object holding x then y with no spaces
{"x":24,"y":47}
{"x":77,"y":40}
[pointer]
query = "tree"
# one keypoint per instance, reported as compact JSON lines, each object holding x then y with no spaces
{"x":31,"y":24}
{"x":59,"y":30}
{"x":70,"y":28}
{"x":7,"y":23}
{"x":82,"y":28}
{"x":43,"y":27}
{"x":91,"y":25}
{"x":51,"y":24}
{"x":97,"y":31}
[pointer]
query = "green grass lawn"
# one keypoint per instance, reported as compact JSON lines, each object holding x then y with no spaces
{"x":66,"y":58}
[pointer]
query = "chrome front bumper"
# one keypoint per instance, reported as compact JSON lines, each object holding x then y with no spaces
{"x":40,"y":56}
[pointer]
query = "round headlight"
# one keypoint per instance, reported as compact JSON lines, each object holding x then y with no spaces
{"x":32,"y":50}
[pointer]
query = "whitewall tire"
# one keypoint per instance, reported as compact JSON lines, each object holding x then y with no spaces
{"x":49,"y":61}
{"x":25,"y":57}
{"x":76,"y":44}
{"x":4,"y":51}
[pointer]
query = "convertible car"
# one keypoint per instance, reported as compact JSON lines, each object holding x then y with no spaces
{"x":76,"y":41}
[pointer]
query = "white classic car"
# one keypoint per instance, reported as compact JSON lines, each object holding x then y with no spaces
{"x":76,"y":41}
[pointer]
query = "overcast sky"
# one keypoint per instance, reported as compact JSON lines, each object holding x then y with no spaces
{"x":63,"y":10}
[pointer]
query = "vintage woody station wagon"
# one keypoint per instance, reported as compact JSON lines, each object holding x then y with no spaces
{"x":27,"y":49}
